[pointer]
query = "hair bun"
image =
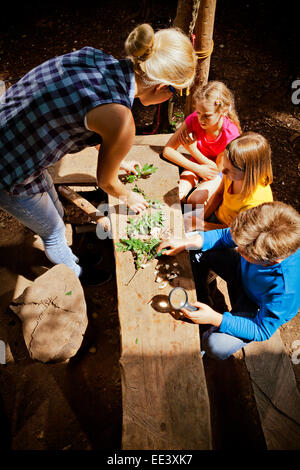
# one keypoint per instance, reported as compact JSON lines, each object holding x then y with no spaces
{"x":139,"y":43}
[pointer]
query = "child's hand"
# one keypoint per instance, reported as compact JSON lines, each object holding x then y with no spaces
{"x":212,"y":164}
{"x":129,"y":167}
{"x":176,"y":245}
{"x":204,"y":315}
{"x":186,"y":138}
{"x":207,"y":172}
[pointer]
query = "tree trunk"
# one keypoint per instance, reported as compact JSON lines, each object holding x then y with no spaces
{"x":203,"y":31}
{"x":183,"y":15}
{"x":163,"y":113}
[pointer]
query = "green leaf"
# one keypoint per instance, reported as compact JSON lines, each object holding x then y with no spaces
{"x":69,"y":293}
{"x":147,"y":170}
{"x":142,"y":251}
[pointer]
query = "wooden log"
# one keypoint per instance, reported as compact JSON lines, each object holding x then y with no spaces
{"x":86,"y":206}
{"x":165,"y":400}
{"x":203,"y":31}
{"x":276,"y":393}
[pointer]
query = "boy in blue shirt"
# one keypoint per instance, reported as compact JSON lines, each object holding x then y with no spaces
{"x":259,"y":258}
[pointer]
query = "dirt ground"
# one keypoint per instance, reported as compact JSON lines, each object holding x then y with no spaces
{"x":255,"y":53}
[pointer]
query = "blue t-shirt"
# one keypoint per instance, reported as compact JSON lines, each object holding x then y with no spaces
{"x":274,"y":289}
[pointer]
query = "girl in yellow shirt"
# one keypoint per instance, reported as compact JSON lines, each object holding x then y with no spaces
{"x":247,"y":175}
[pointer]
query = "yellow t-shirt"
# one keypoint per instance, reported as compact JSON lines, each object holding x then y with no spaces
{"x":233,"y":204}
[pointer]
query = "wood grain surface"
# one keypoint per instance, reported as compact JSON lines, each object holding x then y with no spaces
{"x":165,"y":400}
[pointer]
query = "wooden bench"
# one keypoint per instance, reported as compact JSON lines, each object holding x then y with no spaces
{"x":276,"y":393}
{"x":165,"y":400}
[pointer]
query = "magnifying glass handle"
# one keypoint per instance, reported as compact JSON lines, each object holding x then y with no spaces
{"x":191,"y":307}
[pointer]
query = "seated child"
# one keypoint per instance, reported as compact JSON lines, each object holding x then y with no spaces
{"x":212,"y":126}
{"x":259,"y":257}
{"x":247,"y":175}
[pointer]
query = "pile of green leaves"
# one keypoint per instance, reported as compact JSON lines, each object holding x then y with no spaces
{"x":145,"y":223}
{"x":142,"y":250}
{"x":147,"y":170}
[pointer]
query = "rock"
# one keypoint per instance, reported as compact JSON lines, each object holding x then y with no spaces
{"x":53,"y":315}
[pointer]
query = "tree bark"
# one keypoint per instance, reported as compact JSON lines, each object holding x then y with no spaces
{"x":183,"y":15}
{"x":203,"y":31}
{"x":182,"y":21}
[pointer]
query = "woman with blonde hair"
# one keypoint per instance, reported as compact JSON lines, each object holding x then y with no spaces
{"x":77,"y":100}
{"x":247,"y":176}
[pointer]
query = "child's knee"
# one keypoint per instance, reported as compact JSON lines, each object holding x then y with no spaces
{"x":189,"y":177}
{"x":199,"y":196}
{"x":216,"y":345}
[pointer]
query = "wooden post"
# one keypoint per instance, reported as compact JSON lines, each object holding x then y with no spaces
{"x":203,"y":31}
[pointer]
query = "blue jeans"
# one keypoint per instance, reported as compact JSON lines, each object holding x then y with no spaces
{"x":227,"y":264}
{"x":43,"y":213}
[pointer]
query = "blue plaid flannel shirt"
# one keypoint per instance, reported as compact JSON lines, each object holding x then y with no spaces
{"x":42,"y":115}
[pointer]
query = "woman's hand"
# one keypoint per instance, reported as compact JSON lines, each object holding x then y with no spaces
{"x":205,"y":315}
{"x":136,"y":202}
{"x":176,"y":245}
{"x":129,"y":167}
{"x":207,"y":172}
{"x":186,"y":137}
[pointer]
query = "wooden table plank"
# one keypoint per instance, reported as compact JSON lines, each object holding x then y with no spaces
{"x":81,"y":167}
{"x":165,"y":400}
{"x":276,"y":393}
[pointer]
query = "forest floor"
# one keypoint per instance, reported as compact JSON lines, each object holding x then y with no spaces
{"x":255,"y":55}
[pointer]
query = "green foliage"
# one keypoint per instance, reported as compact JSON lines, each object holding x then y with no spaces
{"x":139,"y":228}
{"x":145,"y":223}
{"x":147,"y":170}
{"x":177,"y":118}
{"x":142,"y":251}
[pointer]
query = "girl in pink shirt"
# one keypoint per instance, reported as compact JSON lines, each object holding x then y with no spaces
{"x":204,"y":134}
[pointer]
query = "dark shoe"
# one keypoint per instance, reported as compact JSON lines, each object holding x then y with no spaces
{"x":94,"y":277}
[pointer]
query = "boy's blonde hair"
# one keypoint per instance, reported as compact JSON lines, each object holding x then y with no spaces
{"x":251,"y":153}
{"x":221,"y":97}
{"x":267,"y":232}
{"x":166,"y":56}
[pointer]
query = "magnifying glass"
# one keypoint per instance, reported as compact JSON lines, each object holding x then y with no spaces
{"x":178,"y":298}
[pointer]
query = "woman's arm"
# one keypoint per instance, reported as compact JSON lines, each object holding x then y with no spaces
{"x":114,"y":122}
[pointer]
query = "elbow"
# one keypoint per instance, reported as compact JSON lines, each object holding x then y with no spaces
{"x":167,"y":153}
